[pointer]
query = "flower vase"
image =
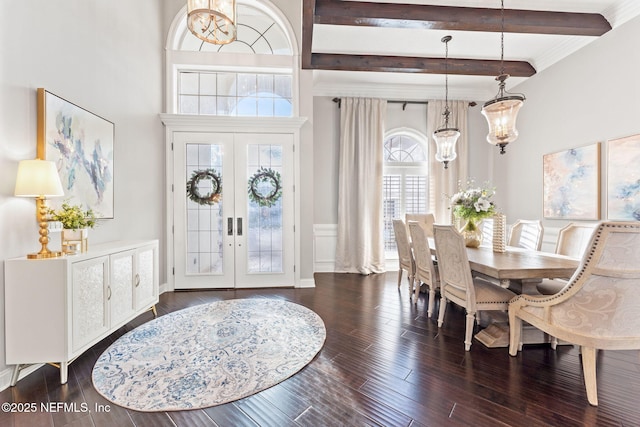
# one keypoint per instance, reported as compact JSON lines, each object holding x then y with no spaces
{"x":472,"y":234}
{"x":74,"y":241}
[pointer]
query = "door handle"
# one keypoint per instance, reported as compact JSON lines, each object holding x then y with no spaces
{"x":239,"y":227}
{"x":229,"y":226}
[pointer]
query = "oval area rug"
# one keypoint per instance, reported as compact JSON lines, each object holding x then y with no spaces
{"x":208,"y":354}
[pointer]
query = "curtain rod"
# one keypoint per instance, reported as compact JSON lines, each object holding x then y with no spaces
{"x":404,"y":103}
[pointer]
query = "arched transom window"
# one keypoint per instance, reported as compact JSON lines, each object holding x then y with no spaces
{"x":252,"y":76}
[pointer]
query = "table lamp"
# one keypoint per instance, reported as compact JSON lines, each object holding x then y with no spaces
{"x":39,"y":179}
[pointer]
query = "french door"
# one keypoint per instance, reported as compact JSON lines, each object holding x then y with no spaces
{"x":233,"y":210}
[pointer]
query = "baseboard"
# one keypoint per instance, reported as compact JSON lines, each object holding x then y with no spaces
{"x":306,"y":283}
{"x":5,"y":376}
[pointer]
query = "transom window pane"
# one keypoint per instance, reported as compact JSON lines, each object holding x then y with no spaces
{"x":234,"y":94}
{"x":403,"y":148}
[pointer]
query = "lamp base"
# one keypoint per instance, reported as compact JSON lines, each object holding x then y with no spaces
{"x":45,"y":255}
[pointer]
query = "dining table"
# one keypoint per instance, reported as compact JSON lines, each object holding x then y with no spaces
{"x":514,"y":265}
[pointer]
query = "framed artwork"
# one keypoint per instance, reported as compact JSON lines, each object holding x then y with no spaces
{"x":571,"y":183}
{"x":81,"y":144}
{"x":623,"y":179}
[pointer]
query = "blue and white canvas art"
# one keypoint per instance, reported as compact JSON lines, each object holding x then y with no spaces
{"x":623,"y":179}
{"x":81,"y":145}
{"x":571,"y":188}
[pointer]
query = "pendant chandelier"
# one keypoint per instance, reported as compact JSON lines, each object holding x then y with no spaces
{"x":445,"y":136}
{"x":213,"y":21}
{"x":501,"y":112}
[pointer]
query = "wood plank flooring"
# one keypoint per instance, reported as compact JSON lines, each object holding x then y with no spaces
{"x":384,"y":363}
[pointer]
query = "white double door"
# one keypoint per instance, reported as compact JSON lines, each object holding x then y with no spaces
{"x":233,"y":210}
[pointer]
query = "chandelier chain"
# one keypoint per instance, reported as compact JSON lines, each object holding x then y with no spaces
{"x":502,"y":38}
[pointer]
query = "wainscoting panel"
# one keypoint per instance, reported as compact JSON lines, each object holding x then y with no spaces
{"x":325,"y":237}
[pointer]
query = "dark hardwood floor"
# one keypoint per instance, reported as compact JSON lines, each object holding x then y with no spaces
{"x":384,"y":363}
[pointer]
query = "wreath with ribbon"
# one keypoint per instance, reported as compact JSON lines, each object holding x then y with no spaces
{"x":265,"y":175}
{"x":194,"y":193}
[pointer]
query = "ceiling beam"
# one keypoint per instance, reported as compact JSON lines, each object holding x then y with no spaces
{"x":406,"y":64}
{"x":356,"y":13}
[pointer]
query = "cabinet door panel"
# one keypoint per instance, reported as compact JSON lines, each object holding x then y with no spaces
{"x":146,"y":278}
{"x":88,"y":309}
{"x":121,"y":287}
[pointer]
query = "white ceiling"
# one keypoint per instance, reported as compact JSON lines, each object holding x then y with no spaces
{"x":540,"y":50}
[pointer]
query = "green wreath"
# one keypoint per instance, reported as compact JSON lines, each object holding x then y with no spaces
{"x":261,"y":176}
{"x":192,"y":187}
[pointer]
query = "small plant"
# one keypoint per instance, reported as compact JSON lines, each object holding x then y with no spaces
{"x":73,"y":217}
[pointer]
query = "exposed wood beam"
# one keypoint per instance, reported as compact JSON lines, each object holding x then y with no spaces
{"x":407,"y":64}
{"x":371,"y":14}
{"x":308,"y":12}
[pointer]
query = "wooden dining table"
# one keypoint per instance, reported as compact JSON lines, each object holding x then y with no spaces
{"x":515,"y":265}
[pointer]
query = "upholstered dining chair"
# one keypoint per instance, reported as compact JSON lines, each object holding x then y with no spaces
{"x":600,"y":306}
{"x":526,"y":234}
{"x":458,"y":285}
{"x":405,"y":255}
{"x":572,"y":241}
{"x":426,"y":219}
{"x":426,"y":270}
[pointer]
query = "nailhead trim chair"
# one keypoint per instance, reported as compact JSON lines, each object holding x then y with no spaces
{"x":600,"y":306}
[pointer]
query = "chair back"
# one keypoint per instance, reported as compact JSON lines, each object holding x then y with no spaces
{"x":402,"y":242}
{"x":426,"y":219}
{"x":602,"y":299}
{"x":422,"y":253}
{"x":453,"y":264}
{"x":487,"y":230}
{"x":574,"y":238}
{"x":527,"y":234}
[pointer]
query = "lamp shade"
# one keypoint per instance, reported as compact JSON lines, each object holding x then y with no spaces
{"x":446,"y":140}
{"x":38,"y":178}
{"x":501,"y":115}
{"x":213,"y":21}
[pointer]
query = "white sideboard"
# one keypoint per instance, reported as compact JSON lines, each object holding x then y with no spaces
{"x":55,"y":309}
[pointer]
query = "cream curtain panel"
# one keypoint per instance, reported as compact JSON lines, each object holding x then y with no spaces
{"x":360,"y":247}
{"x":443,"y":183}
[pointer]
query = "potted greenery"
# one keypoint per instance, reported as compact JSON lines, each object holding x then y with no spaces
{"x":75,"y":223}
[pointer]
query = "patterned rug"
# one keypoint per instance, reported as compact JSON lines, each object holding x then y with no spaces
{"x":208,"y":354}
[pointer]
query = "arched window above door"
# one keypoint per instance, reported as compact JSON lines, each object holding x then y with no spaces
{"x":254,"y":76}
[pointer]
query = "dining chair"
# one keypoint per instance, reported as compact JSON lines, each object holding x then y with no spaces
{"x":426,"y":270}
{"x":405,"y":255}
{"x":426,"y":219}
{"x":487,"y":231}
{"x":600,"y":306}
{"x":572,"y":241}
{"x":526,"y":234}
{"x":458,"y":285}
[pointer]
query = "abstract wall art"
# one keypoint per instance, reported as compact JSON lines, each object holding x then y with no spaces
{"x":571,"y":183}
{"x":81,"y":145}
{"x":623,"y":179}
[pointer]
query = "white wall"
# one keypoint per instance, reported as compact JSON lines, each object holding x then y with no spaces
{"x":98,"y":55}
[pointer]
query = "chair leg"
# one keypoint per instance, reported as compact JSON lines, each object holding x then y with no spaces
{"x":399,"y":277}
{"x":432,"y":301}
{"x":443,"y":308}
{"x":589,"y":370}
{"x":554,"y":342}
{"x":515,"y":332}
{"x":468,"y":334}
{"x":416,"y":290}
{"x":410,"y":278}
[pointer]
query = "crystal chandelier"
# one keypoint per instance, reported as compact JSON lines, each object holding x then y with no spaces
{"x":445,"y":136}
{"x":213,"y":21}
{"x":501,"y":112}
